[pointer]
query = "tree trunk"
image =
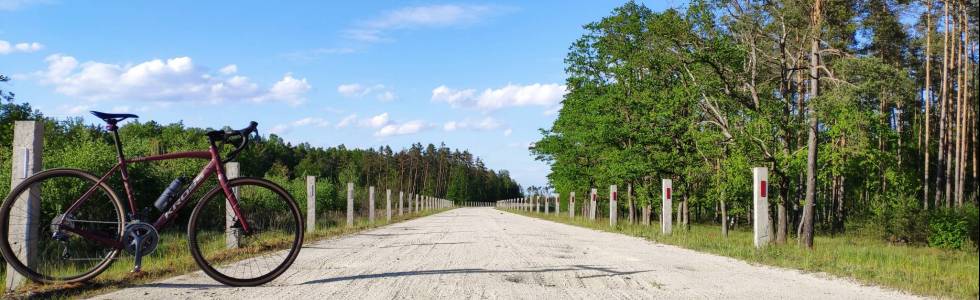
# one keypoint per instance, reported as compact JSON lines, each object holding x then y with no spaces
{"x":686,"y":214}
{"x":629,"y":199}
{"x":927,"y":98}
{"x":962,"y":108}
{"x":781,"y":215}
{"x":811,"y":158}
{"x":724,"y":220}
{"x":646,"y":214}
{"x":940,"y":174}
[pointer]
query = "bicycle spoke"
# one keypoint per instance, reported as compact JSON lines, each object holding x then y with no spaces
{"x":61,"y":255}
{"x":265,"y":251}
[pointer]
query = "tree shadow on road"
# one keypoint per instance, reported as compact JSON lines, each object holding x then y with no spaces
{"x":606,"y":272}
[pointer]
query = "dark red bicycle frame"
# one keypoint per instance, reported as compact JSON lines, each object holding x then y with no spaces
{"x":214,"y":166}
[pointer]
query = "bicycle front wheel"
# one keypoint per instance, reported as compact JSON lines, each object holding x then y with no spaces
{"x":34,"y":229}
{"x":232,"y":255}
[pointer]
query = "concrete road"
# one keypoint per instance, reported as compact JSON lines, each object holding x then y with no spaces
{"x":482,"y":253}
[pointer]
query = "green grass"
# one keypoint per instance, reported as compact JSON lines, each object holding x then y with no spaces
{"x":172,"y":258}
{"x":869,"y":260}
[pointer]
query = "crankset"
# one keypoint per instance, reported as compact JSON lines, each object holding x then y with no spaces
{"x":140,"y":238}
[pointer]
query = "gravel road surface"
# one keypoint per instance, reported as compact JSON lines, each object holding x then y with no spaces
{"x":483,"y":253}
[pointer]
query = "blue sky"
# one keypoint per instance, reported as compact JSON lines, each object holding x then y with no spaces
{"x":483,"y":76}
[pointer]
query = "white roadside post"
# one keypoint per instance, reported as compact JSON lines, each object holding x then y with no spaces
{"x":401,"y":202}
{"x":760,"y":205}
{"x":547,"y":205}
{"x":350,"y":204}
{"x":310,"y":203}
{"x":571,"y":205}
{"x":26,"y":160}
{"x":371,"y":204}
{"x":666,"y":209}
{"x":613,"y":205}
{"x":592,"y":207}
{"x":388,"y":204}
{"x":557,"y":204}
{"x":232,"y":233}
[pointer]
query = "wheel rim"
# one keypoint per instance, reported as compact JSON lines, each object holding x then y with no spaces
{"x":259,"y":254}
{"x":68,"y":257}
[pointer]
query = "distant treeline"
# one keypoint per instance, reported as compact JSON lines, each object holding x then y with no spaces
{"x":428,"y":170}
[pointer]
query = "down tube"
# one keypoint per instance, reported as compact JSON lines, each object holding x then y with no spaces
{"x":186,"y":196}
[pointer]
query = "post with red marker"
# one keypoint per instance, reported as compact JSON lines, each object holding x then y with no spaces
{"x":760,"y":206}
{"x":666,"y":208}
{"x":571,"y":204}
{"x":613,"y":205}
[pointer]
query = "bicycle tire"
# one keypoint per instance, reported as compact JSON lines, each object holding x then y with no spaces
{"x":7,"y":251}
{"x":218,"y":194}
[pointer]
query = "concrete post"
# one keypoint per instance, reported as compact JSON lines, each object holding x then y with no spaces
{"x":571,"y":205}
{"x":350,"y":204}
{"x":232,"y":235}
{"x":557,"y":204}
{"x":26,"y":160}
{"x":613,"y":205}
{"x":666,"y":195}
{"x":401,"y":203}
{"x":388,"y":204}
{"x":417,"y":203}
{"x":760,"y":205}
{"x":371,"y":204}
{"x":592,"y":208}
{"x":546,"y":205}
{"x":537,"y":203}
{"x":310,"y":203}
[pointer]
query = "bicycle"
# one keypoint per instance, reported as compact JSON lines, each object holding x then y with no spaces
{"x":78,"y":226}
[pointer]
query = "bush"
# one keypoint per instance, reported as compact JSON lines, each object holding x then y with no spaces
{"x":899,"y":219}
{"x":950,"y":229}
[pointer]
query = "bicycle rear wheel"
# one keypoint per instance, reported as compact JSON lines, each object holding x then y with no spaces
{"x":234,"y":257}
{"x":59,"y":255}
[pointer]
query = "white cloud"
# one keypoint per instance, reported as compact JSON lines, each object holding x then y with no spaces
{"x":304,"y":122}
{"x":508,"y":132}
{"x":171,"y":80}
{"x":387,"y":96}
{"x":288,"y":89}
{"x":384,"y":125}
{"x":410,"y":127}
{"x":347,"y":121}
{"x":24,"y":47}
{"x":511,"y":95}
{"x":425,"y":16}
{"x":357,"y":90}
{"x":351,"y":89}
{"x":450,"y":126}
{"x":229,"y":69}
{"x":487,"y":123}
{"x":378,"y":121}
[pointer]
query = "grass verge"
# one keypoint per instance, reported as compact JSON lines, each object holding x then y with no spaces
{"x":173,"y":258}
{"x":917,"y":270}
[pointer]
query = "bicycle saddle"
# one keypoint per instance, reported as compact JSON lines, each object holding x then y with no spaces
{"x":113,"y":118}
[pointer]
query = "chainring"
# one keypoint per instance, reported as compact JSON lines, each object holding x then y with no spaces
{"x":149,"y":237}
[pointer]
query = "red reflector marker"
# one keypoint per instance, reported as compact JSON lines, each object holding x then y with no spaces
{"x":668,"y":193}
{"x":762,"y":189}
